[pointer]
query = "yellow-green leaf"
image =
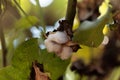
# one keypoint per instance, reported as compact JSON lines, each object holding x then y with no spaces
{"x":26,"y":22}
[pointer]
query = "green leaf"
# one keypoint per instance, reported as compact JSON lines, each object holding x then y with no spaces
{"x":26,"y":22}
{"x":53,"y":64}
{"x":90,"y":33}
{"x":10,"y":73}
{"x":24,"y":55}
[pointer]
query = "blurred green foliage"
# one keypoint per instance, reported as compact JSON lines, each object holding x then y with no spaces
{"x":91,"y":33}
{"x":20,"y":18}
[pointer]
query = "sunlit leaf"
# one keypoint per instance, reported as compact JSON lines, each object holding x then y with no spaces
{"x":71,"y":75}
{"x":115,"y":74}
{"x":87,"y":53}
{"x":90,"y":32}
{"x":25,"y":5}
{"x":84,"y":54}
{"x":106,"y":30}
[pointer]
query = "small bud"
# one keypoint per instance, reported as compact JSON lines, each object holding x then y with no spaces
{"x":66,"y":52}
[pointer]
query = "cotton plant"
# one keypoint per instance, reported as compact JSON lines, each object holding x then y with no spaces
{"x":59,"y":43}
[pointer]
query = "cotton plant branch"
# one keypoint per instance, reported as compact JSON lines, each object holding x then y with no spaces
{"x":3,"y":44}
{"x":71,"y":11}
{"x":66,"y":25}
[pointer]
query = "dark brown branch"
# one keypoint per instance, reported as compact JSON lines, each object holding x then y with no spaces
{"x":4,"y":48}
{"x":2,"y":37}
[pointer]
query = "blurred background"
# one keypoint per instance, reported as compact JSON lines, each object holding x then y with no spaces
{"x":24,"y":19}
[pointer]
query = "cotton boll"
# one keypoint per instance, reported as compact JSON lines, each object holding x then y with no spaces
{"x":66,"y":52}
{"x":59,"y":37}
{"x":52,"y":47}
{"x":49,"y":45}
{"x":57,"y":48}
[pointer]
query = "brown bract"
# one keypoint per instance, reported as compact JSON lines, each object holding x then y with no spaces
{"x":37,"y":72}
{"x":39,"y":75}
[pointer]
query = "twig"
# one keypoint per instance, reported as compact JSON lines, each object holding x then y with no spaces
{"x":71,"y":11}
{"x":3,"y":44}
{"x":42,"y":21}
{"x":20,"y":8}
{"x":2,"y":37}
